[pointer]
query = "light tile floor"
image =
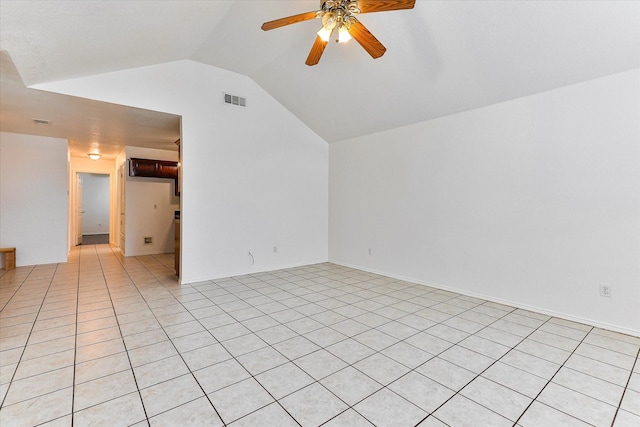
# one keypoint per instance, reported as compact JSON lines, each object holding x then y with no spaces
{"x":103,"y":340}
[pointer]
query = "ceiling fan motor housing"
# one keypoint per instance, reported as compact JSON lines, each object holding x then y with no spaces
{"x":341,"y":9}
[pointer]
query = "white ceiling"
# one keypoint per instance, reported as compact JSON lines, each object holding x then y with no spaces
{"x":442,"y":57}
{"x":90,"y":126}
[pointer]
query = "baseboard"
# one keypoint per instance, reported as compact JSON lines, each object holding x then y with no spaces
{"x":245,"y":273}
{"x":591,"y":322}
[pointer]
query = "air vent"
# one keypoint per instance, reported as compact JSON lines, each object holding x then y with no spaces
{"x":43,"y":122}
{"x":235,"y":100}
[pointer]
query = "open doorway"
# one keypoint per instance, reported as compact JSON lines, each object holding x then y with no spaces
{"x":92,"y":225}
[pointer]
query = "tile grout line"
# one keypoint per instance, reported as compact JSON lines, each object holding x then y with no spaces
{"x":535,"y":399}
{"x":484,"y":370}
{"x":453,"y":345}
{"x":75,"y":342}
{"x":6,"y":272}
{"x":235,"y":358}
{"x":404,"y":340}
{"x":179,"y":353}
{"x":434,"y":356}
{"x":346,"y":304}
{"x":272,"y":346}
{"x":298,"y":334}
{"x":102,"y":357}
{"x":375,"y":328}
{"x":387,"y":305}
{"x":172,"y":343}
{"x":548,"y":320}
{"x":625,"y":388}
{"x":295,"y":284}
{"x":24,"y":349}
{"x":370,"y":328}
{"x":106,"y":284}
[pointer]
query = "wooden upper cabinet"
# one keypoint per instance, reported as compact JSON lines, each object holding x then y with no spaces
{"x":142,"y":168}
{"x":147,"y":168}
{"x":167,"y":169}
{"x":153,"y":168}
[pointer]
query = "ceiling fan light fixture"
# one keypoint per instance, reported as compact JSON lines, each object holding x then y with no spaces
{"x":329,"y":22}
{"x":325,"y":33}
{"x":94,"y":156}
{"x":343,"y":34}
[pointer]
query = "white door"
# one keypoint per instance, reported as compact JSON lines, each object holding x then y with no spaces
{"x":79,"y":210}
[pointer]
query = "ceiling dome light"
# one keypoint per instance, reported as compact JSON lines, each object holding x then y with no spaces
{"x":94,"y":156}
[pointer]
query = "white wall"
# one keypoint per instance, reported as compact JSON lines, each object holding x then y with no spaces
{"x":149,"y":207}
{"x":33,"y":198}
{"x":253,"y":178}
{"x":95,"y":203}
{"x":534,"y":202}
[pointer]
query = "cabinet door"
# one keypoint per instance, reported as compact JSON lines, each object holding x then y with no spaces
{"x":142,"y":167}
{"x":167,"y":169}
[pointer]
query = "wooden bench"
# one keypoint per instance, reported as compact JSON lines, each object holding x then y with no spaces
{"x":9,"y":257}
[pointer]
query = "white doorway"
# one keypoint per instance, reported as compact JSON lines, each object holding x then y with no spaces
{"x":92,"y":208}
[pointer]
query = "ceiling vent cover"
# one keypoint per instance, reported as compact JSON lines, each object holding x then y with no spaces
{"x":235,"y":100}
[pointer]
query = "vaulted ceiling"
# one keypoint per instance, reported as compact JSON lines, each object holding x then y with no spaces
{"x":442,"y":57}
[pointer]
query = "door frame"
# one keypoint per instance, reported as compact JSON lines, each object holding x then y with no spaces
{"x":73,"y":200}
{"x":79,"y":210}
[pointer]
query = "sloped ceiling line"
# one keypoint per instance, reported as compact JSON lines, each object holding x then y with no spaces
{"x":442,"y":57}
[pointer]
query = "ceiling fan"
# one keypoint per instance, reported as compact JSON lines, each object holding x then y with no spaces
{"x":340,"y":14}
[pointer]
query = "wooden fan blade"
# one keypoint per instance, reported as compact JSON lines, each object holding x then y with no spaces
{"x":366,"y":40}
{"x":289,"y":20}
{"x":316,"y":51}
{"x":368,"y":6}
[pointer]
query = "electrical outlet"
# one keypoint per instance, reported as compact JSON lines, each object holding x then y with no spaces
{"x":275,"y":249}
{"x":369,"y":251}
{"x":148,"y":240}
{"x":605,"y":290}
